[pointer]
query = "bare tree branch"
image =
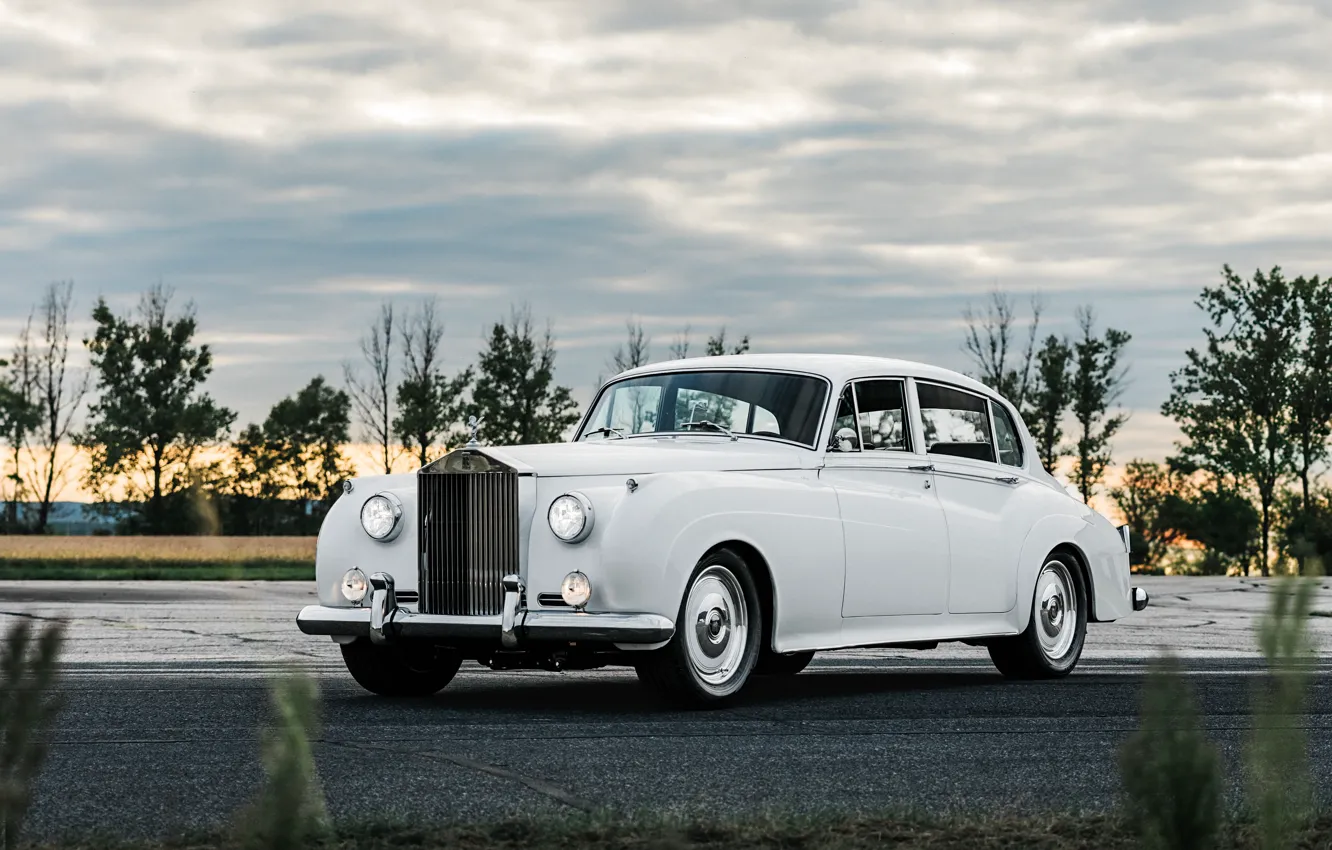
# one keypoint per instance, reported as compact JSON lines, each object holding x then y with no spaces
{"x":59,"y":393}
{"x":634,"y":352}
{"x":373,"y":398}
{"x":680,"y":346}
{"x":990,"y":344}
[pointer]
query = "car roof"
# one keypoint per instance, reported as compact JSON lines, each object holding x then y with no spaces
{"x":838,"y":368}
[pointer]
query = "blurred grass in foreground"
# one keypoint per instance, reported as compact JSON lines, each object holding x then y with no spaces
{"x":570,"y":830}
{"x":177,"y":558}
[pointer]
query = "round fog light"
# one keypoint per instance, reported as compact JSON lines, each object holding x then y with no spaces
{"x":576,"y":589}
{"x":354,"y":585}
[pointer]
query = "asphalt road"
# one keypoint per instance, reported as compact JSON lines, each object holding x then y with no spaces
{"x":165,"y":689}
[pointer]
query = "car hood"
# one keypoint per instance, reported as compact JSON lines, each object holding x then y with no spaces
{"x":645,"y":455}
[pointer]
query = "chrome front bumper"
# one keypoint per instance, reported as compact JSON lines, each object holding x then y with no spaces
{"x":383,"y":621}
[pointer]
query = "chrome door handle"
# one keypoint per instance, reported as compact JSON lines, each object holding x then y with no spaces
{"x":1007,"y":479}
{"x":928,"y":467}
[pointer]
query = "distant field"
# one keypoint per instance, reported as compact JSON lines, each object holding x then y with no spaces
{"x":212,"y":558}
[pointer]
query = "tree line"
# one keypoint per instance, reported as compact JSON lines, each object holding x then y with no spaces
{"x":1242,"y":485}
{"x":166,"y":458}
{"x":1253,"y":405}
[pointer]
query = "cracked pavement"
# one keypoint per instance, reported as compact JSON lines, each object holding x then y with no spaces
{"x":165,"y":694}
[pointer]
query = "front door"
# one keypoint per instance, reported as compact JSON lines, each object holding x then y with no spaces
{"x":892,"y":522}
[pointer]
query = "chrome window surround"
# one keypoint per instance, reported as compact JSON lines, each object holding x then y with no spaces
{"x":908,"y":431}
{"x":816,"y":447}
{"x":989,"y":417}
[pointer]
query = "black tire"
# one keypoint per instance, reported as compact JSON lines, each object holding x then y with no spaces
{"x":782,"y":664}
{"x":1036,"y":654}
{"x":672,"y":674}
{"x":399,"y":670}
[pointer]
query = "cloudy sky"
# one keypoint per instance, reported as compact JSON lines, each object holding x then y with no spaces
{"x":823,"y":176}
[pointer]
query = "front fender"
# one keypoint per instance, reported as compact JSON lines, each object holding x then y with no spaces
{"x":645,"y":544}
{"x":343,"y":544}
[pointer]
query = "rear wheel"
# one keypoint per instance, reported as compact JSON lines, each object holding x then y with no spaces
{"x":717,"y":636}
{"x":399,"y":670}
{"x":1052,"y":643}
{"x":782,"y":664}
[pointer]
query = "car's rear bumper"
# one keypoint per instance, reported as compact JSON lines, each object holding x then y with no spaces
{"x":383,"y":621}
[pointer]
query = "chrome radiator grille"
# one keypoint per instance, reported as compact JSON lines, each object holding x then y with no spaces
{"x":469,"y":540}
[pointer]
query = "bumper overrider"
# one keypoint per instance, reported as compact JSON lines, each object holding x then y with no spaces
{"x":1139,"y":598}
{"x":383,"y":621}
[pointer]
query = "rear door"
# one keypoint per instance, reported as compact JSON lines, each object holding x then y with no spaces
{"x":977,"y":487}
{"x":892,"y":522}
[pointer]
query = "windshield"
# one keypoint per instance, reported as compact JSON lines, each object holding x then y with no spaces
{"x":763,"y":404}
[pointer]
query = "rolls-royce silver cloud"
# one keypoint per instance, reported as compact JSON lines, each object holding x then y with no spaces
{"x":718,"y":518}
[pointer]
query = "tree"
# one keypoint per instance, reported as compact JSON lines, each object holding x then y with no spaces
{"x":1149,"y":496}
{"x":515,"y":395}
{"x":296,"y":455}
{"x":1098,"y":381}
{"x":1311,"y":396}
{"x":634,"y":352}
{"x":717,"y":344}
{"x":58,"y":394}
{"x":1223,"y":521}
{"x":1303,"y":528}
{"x":990,"y":344}
{"x":429,"y":404}
{"x":18,"y":417}
{"x":1232,"y":399}
{"x":373,"y":398}
{"x":1049,"y":398}
{"x":151,"y":416}
{"x":680,"y":345}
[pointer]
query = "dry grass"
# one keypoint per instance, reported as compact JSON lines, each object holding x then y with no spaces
{"x":141,"y":558}
{"x":148,"y":550}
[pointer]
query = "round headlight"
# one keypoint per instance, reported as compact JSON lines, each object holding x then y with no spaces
{"x":381,"y":516}
{"x":354,"y":585}
{"x":576,"y":589}
{"x":570,"y":517}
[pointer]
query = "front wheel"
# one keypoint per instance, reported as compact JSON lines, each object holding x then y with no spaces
{"x":717,"y":637}
{"x":1052,"y":643}
{"x":399,"y":670}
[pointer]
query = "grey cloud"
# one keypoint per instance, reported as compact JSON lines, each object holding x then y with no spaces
{"x":838,"y":176}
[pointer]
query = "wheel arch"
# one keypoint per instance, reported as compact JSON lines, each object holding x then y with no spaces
{"x":1084,"y":569}
{"x":763,"y":581}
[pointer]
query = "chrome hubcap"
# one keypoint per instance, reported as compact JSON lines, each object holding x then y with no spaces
{"x":1057,"y":610}
{"x":719,"y":629}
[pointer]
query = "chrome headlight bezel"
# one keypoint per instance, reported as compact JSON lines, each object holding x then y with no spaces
{"x":584,"y":505}
{"x":395,"y":507}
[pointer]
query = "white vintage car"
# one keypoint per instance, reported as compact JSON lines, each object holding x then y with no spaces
{"x":723,"y":517}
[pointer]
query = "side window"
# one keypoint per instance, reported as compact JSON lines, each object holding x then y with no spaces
{"x":844,"y":426}
{"x":882,"y":415}
{"x":1010,"y":445}
{"x":956,"y":423}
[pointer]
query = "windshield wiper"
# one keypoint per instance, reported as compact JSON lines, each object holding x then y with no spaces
{"x":704,"y":423}
{"x":616,"y":432}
